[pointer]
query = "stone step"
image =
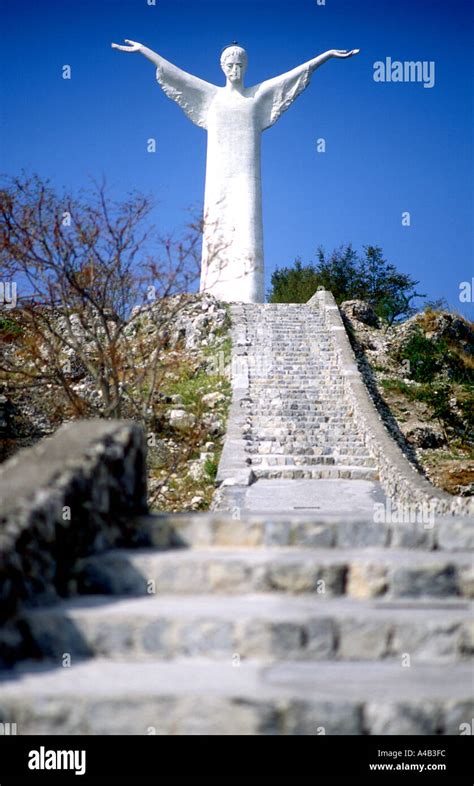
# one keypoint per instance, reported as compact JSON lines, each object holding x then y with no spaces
{"x":359,"y":573}
{"x":305,"y":395}
{"x":280,"y":402}
{"x":202,"y":696}
{"x":417,"y":529}
{"x":310,"y":415}
{"x":293,"y":336}
{"x":292,"y":460}
{"x":325,"y":448}
{"x":300,"y":427}
{"x":291,"y":430}
{"x":315,"y":471}
{"x":313,"y":430}
{"x":273,"y":447}
{"x":303,"y":416}
{"x":307,"y":405}
{"x":307,"y":368}
{"x":315,"y":414}
{"x":266,"y":387}
{"x":285,"y":380}
{"x":290,"y":355}
{"x":289,"y":444}
{"x":275,"y":376}
{"x":254,"y":626}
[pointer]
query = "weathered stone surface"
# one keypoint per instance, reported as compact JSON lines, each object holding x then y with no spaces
{"x":455,"y":534}
{"x":458,"y":717}
{"x":361,"y":533}
{"x":466,"y":581}
{"x":181,"y":420}
{"x":402,"y":718}
{"x":68,"y":496}
{"x":432,"y":581}
{"x":366,"y":580}
{"x":316,"y":718}
{"x":425,"y":436}
{"x":359,"y":640}
{"x":412,"y":536}
{"x":467,"y":637}
{"x":433,"y":642}
{"x":313,"y":535}
{"x":360,"y":311}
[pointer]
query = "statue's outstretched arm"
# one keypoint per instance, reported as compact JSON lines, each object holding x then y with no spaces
{"x":192,"y":94}
{"x":339,"y":53}
{"x":276,"y":95}
{"x":309,"y":67}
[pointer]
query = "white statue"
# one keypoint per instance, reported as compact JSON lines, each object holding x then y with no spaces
{"x":234,"y":117}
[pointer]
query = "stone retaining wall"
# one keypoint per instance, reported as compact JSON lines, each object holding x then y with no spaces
{"x":400,"y":479}
{"x":233,"y":472}
{"x":70,"y":495}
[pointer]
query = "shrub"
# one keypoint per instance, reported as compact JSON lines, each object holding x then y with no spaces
{"x":349,"y":276}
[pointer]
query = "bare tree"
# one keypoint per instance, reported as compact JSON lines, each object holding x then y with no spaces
{"x":87,"y":269}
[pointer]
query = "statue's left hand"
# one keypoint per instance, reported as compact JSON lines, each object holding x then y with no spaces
{"x":345,"y":52}
{"x":134,"y":46}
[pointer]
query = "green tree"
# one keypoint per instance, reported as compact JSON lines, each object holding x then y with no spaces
{"x":293,"y":284}
{"x":349,"y":276}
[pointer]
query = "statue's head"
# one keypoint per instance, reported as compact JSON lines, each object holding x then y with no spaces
{"x":234,"y":62}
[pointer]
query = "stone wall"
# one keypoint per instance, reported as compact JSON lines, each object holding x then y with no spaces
{"x":70,"y":495}
{"x":233,"y":472}
{"x":400,"y":479}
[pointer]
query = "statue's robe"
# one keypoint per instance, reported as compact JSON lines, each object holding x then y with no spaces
{"x":232,"y":253}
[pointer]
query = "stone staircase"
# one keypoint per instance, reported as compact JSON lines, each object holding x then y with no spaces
{"x":281,"y":625}
{"x":299,"y":423}
{"x":272,"y":623}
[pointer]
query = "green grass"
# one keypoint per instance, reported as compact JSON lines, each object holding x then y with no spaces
{"x":210,"y":468}
{"x":192,"y":387}
{"x":9,"y":328}
{"x":398,"y":386}
{"x":224,"y":346}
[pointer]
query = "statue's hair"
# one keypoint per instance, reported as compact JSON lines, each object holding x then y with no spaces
{"x":231,"y":49}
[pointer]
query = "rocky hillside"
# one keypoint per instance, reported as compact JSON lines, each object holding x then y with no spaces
{"x":421,"y":376}
{"x":185,"y":419}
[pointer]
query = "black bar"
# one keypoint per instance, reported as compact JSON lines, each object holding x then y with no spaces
{"x":232,"y":761}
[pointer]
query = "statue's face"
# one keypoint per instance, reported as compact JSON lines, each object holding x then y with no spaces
{"x":234,"y":67}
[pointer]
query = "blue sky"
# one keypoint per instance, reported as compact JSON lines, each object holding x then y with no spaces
{"x":390,"y":147}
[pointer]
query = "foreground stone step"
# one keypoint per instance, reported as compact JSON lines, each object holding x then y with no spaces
{"x":199,"y":696}
{"x":306,"y":531}
{"x":314,"y":472}
{"x":359,"y":573}
{"x":253,"y":626}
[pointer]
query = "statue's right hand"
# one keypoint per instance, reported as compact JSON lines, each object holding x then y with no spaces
{"x":134,"y":46}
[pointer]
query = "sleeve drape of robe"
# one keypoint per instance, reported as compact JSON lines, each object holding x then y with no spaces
{"x":276,"y":95}
{"x":192,"y":94}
